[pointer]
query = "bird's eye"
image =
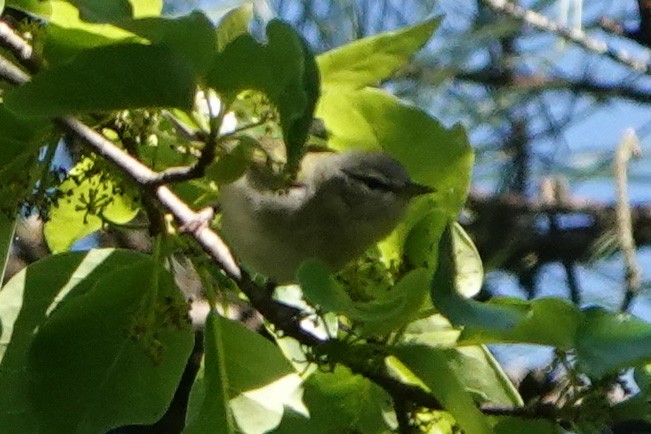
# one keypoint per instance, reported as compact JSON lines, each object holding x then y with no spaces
{"x":372,"y":182}
{"x":375,"y":183}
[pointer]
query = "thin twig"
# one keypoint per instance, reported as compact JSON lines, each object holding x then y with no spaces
{"x":577,"y":36}
{"x":22,"y":51}
{"x":628,"y":148}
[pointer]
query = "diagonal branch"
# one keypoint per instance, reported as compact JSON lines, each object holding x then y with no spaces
{"x":577,"y":36}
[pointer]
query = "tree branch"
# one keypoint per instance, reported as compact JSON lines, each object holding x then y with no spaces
{"x":506,"y":230}
{"x":577,"y":36}
{"x":628,"y":147}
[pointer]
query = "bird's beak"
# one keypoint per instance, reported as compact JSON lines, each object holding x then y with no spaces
{"x":414,"y":189}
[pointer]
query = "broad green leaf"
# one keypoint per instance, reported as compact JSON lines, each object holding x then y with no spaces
{"x":102,"y":11}
{"x":261,"y":381}
{"x":88,"y":201}
{"x":233,"y":24}
{"x":7,"y":228}
{"x":546,"y":321}
{"x":283,"y":69}
{"x":607,"y":342}
{"x":431,"y":365}
{"x":321,"y":289}
{"x":398,"y":306}
{"x":192,"y":37}
{"x":128,"y":336}
{"x":25,"y":303}
{"x":382,"y":315}
{"x":20,"y":140}
{"x":208,"y":408}
{"x":339,"y":402}
{"x":67,"y":34}
{"x":421,"y":249}
{"x":107,"y":78}
{"x":146,"y":8}
{"x":421,"y":242}
{"x":371,"y":119}
{"x":637,"y":407}
{"x":482,"y":375}
{"x":35,"y":7}
{"x":474,"y":365}
{"x":368,"y":61}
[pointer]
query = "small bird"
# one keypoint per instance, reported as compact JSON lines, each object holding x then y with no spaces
{"x":340,"y":205}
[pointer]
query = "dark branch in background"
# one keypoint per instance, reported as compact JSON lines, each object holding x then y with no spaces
{"x":577,"y":36}
{"x":519,"y":81}
{"x":508,"y":233}
{"x":528,"y":82}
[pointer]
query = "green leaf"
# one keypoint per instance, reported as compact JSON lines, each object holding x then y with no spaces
{"x":102,"y":11}
{"x":609,"y":341}
{"x":260,"y":379}
{"x":283,"y":69}
{"x":67,"y":35}
{"x":88,"y":201}
{"x":25,"y":303}
{"x":637,"y":407}
{"x":234,"y":24}
{"x":474,"y":365}
{"x":382,"y":315}
{"x":431,"y":365}
{"x":371,"y":119}
{"x":35,"y":7}
{"x":146,"y":8}
{"x":339,"y":402}
{"x":192,"y":37}
{"x":421,"y":242}
{"x":208,"y":408}
{"x":398,"y":306}
{"x":368,"y":61}
{"x":421,"y":249}
{"x":605,"y":342}
{"x":128,"y":336}
{"x":546,"y":321}
{"x":321,"y":289}
{"x":107,"y":78}
{"x":20,"y":140}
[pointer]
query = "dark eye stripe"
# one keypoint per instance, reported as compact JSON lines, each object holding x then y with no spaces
{"x":372,"y":182}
